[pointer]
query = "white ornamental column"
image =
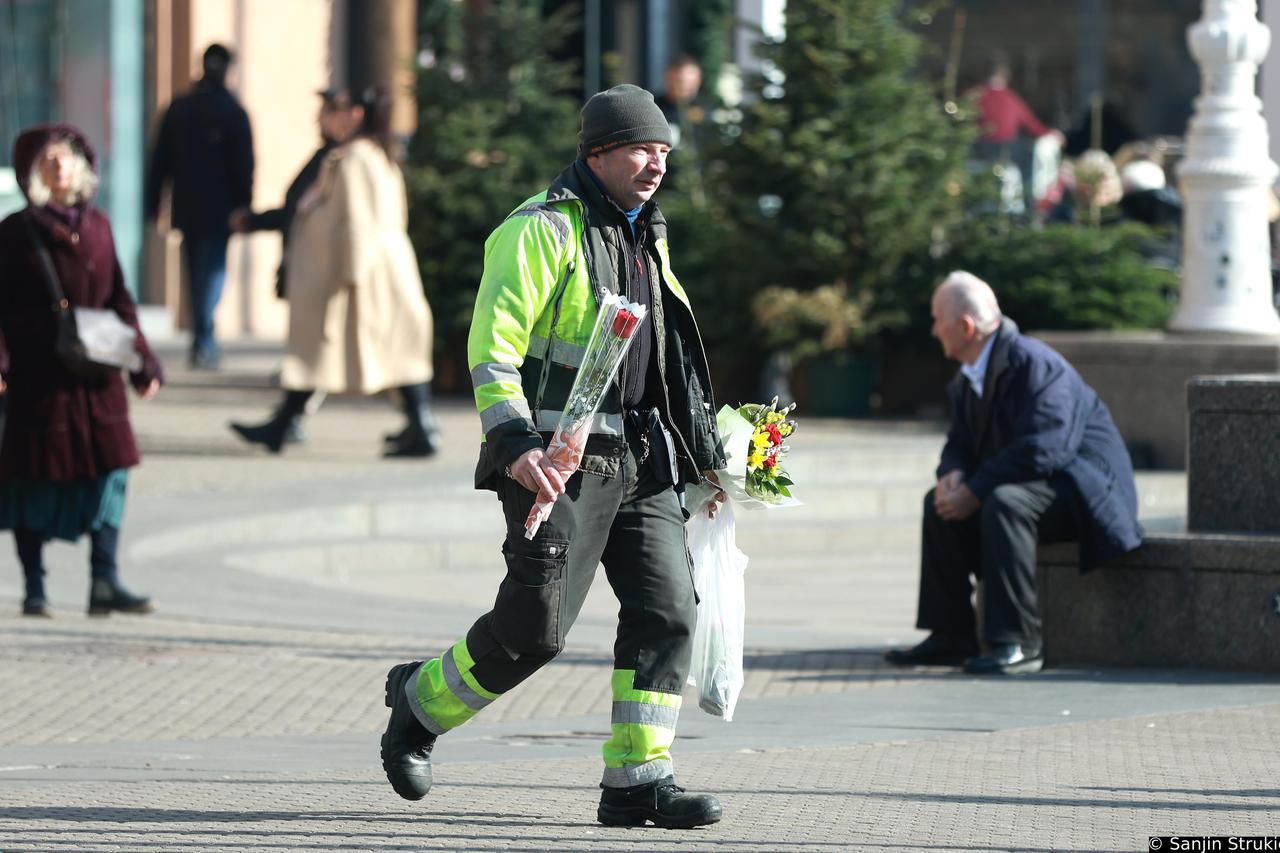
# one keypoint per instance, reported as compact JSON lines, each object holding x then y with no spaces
{"x":1225,"y":177}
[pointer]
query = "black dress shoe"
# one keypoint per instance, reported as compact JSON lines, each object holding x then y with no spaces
{"x":937,"y":649}
{"x":406,"y":745}
{"x":106,"y":597}
{"x":1006,"y":659}
{"x":36,"y":607}
{"x":663,"y":803}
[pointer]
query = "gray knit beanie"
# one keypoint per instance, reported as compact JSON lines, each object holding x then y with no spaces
{"x":623,"y":115}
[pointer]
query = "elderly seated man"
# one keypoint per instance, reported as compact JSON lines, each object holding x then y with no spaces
{"x":1031,"y":456}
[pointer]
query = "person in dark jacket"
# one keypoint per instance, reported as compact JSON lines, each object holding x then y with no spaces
{"x":67,"y":444}
{"x":205,"y":148}
{"x":1032,"y":456}
{"x":336,"y":126}
{"x":595,"y":230}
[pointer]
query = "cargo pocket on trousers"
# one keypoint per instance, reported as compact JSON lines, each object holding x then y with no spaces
{"x":527,"y":613}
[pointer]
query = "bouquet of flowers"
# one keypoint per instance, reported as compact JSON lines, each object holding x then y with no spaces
{"x":766,"y":479}
{"x":615,"y":328}
{"x":754,"y":436}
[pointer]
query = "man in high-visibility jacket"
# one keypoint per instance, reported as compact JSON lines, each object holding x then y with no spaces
{"x":594,"y":229}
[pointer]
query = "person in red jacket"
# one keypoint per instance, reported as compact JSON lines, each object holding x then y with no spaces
{"x":67,"y":442}
{"x":1002,"y":114}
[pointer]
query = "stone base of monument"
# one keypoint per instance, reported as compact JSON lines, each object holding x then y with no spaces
{"x":1206,"y":598}
{"x":1142,"y":377}
{"x":1199,"y":600}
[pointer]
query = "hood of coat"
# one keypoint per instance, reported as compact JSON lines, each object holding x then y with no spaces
{"x":32,"y":141}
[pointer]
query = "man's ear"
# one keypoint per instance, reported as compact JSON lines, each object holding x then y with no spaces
{"x":970,"y":327}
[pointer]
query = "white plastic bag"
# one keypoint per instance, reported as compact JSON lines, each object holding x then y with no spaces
{"x":718,"y":568}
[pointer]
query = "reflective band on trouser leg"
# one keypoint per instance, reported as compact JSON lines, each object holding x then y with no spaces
{"x":644,"y":726}
{"x":445,"y":692}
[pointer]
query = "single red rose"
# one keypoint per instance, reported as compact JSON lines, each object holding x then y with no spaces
{"x":771,"y":460}
{"x":775,"y":435}
{"x":624,"y":323}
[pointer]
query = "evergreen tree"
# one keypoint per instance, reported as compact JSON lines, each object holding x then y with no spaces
{"x":846,"y":163}
{"x":497,"y":119}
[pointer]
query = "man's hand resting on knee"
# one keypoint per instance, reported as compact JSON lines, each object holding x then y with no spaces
{"x":953,"y":500}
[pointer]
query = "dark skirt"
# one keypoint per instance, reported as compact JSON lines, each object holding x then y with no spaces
{"x":64,"y":510}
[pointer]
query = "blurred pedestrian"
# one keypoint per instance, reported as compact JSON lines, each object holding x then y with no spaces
{"x":1003,"y":120}
{"x":689,"y":117}
{"x":337,"y":122}
{"x":68,"y":443}
{"x":1003,"y":114}
{"x":685,"y":111}
{"x":205,"y":148}
{"x":359,"y":321}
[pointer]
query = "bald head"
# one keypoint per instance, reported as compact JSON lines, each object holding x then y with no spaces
{"x":965,"y":314}
{"x":965,"y":293}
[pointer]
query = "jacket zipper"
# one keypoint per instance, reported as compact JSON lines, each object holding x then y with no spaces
{"x":551,"y":335}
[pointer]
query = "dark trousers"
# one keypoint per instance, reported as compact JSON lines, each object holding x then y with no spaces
{"x":206,"y":256}
{"x":103,"y":544}
{"x":633,"y":524}
{"x":998,"y":545}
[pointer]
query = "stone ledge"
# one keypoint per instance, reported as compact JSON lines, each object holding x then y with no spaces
{"x":1203,"y":601}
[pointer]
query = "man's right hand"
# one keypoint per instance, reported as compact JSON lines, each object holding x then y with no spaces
{"x":536,"y":473}
{"x":948,"y":483}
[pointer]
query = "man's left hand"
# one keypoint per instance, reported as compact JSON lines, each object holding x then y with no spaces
{"x":719,"y":496}
{"x":957,"y":504}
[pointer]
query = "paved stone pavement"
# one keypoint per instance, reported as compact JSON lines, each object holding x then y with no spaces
{"x":245,"y":715}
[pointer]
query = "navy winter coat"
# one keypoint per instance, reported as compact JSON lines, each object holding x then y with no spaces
{"x":205,"y":147}
{"x":1046,"y":421}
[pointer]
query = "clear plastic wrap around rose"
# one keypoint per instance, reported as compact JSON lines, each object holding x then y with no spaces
{"x":614,"y":330}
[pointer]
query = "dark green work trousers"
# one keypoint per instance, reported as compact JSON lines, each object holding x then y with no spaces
{"x":631,"y":523}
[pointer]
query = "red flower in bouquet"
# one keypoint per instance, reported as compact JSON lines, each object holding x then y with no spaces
{"x":625,"y":323}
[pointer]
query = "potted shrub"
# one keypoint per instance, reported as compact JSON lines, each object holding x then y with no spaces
{"x":819,"y":334}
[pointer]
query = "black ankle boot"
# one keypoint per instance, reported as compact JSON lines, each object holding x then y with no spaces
{"x":30,"y":546}
{"x":406,"y":745}
{"x":106,"y":596}
{"x":284,"y":426}
{"x":421,"y":436}
{"x":663,"y":803}
{"x":36,"y":607}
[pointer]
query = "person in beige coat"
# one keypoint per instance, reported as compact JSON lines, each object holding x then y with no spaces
{"x":359,"y":322}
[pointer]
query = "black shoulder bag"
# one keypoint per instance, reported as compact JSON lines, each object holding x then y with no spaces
{"x":67,"y":345}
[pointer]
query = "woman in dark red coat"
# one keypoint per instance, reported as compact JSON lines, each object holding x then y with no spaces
{"x":67,"y":441}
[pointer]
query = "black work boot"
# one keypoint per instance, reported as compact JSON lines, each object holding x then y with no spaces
{"x":275,"y":433}
{"x":421,"y":435}
{"x":106,"y":596}
{"x":663,"y":803}
{"x":406,"y":745}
